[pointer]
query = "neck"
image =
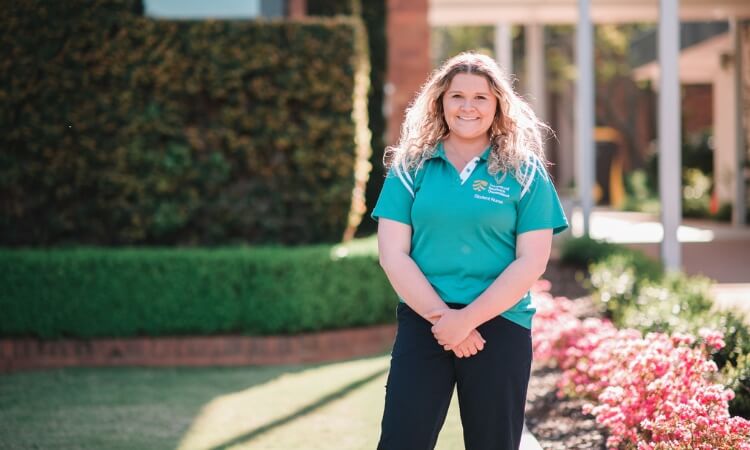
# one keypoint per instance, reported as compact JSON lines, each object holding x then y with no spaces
{"x":467,"y":148}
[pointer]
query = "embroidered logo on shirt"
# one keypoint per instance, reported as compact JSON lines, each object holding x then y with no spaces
{"x":498,"y":189}
{"x":495,"y":190}
{"x":480,"y":185}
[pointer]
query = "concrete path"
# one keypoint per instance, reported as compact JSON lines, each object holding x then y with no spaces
{"x":528,"y":441}
{"x":717,"y":250}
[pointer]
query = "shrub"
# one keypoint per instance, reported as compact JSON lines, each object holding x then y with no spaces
{"x":696,"y":193}
{"x":93,"y":292}
{"x":585,"y":250}
{"x":651,"y":392}
{"x":675,"y":303}
{"x":617,"y":280}
{"x":117,"y":129}
{"x":634,"y":294}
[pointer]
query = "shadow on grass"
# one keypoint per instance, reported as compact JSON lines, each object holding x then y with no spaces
{"x":159,"y":402}
{"x":323,"y":401}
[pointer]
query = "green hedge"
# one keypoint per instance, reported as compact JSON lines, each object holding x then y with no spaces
{"x":374,"y":16}
{"x":129,"y":292}
{"x":117,"y":129}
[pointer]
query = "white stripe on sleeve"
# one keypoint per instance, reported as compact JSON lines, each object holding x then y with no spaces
{"x":403,"y":179}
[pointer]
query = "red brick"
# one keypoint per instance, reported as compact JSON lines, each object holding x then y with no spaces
{"x":296,"y":9}
{"x":25,"y":354}
{"x":697,"y":111}
{"x":408,"y":57}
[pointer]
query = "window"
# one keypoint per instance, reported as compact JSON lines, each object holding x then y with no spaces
{"x":214,"y":9}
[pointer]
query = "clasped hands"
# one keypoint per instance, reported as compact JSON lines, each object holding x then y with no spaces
{"x":452,"y":331}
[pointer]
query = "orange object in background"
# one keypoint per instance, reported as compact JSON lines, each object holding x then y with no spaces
{"x":609,"y":188}
{"x":713,"y":204}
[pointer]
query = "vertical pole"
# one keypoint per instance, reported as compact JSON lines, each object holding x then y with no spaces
{"x":585,"y":111}
{"x":535,"y":68}
{"x":739,"y":210}
{"x":670,"y":158}
{"x":504,"y":46}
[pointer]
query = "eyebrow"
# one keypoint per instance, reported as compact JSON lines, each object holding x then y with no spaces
{"x":462,"y":92}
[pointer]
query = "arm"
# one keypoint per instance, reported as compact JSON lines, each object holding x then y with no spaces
{"x":532,"y":254}
{"x":394,"y":247}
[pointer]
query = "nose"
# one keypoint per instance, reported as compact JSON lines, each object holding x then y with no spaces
{"x":467,"y":104}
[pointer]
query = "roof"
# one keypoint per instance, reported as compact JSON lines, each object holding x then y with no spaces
{"x":491,"y":12}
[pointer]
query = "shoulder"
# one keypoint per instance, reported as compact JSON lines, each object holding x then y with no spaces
{"x":532,"y":173}
{"x":399,"y":173}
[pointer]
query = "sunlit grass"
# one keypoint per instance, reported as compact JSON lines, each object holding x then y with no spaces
{"x":331,"y":406}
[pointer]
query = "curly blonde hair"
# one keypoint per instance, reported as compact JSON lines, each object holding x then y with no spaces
{"x":516,"y":134}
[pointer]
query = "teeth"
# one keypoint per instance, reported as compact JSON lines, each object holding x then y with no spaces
{"x":468,"y":118}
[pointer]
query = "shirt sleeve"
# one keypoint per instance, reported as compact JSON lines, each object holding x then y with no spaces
{"x":540,"y":208}
{"x":396,"y":197}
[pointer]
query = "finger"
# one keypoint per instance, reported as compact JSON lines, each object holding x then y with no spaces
{"x":474,"y":339}
{"x":470,"y":348}
{"x":447,"y":347}
{"x":479,"y":341}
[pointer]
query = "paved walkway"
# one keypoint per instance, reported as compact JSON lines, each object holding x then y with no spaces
{"x":717,"y":250}
{"x":528,"y":441}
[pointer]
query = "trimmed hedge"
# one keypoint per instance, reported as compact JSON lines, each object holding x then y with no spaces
{"x":374,"y":15}
{"x":117,"y":129}
{"x":86,"y":293}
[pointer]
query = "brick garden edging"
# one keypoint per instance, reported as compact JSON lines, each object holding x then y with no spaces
{"x":24,"y":354}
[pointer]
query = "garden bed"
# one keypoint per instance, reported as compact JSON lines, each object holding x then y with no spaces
{"x":655,"y":389}
{"x":559,"y":423}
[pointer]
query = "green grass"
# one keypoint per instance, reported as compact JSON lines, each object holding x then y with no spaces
{"x":330,"y":406}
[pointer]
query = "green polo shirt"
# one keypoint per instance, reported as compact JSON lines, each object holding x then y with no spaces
{"x":464,"y":225}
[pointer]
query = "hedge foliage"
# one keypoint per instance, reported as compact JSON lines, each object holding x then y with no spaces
{"x":374,"y":16}
{"x":116,"y":129}
{"x":86,"y":293}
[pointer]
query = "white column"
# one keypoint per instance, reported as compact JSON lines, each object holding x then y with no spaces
{"x":535,"y":68}
{"x":724,"y":124}
{"x":585,"y":161}
{"x":739,"y":209}
{"x":670,"y":160}
{"x":504,"y":46}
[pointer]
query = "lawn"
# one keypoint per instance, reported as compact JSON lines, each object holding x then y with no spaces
{"x":328,"y":406}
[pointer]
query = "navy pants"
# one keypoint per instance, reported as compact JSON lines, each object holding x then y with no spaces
{"x":491,"y":386}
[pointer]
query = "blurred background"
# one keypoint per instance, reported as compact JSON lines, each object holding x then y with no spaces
{"x":188,"y":183}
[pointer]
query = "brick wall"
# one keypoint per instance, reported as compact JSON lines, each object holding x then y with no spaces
{"x":23,"y":354}
{"x":697,"y":107}
{"x":408,"y":58}
{"x":296,"y":9}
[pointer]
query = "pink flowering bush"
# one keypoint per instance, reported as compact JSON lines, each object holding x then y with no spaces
{"x":652,"y":392}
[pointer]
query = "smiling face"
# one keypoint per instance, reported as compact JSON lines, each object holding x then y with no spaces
{"x":469,"y":107}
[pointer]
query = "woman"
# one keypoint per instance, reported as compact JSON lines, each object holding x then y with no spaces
{"x":465,"y":223}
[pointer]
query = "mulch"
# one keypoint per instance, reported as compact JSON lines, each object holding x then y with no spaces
{"x":559,"y":423}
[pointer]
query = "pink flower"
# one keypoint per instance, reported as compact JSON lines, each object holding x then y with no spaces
{"x":713,"y":338}
{"x":652,"y":392}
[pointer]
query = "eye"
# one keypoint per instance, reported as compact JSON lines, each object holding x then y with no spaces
{"x":456,"y":96}
{"x":481,"y":97}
